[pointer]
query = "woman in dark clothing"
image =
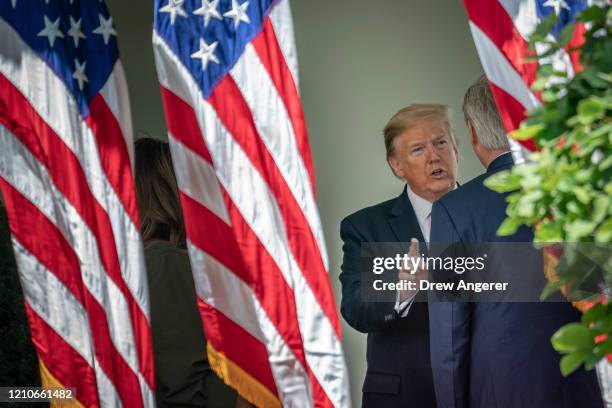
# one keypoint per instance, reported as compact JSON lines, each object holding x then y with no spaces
{"x":19,"y":363}
{"x":182,"y":373}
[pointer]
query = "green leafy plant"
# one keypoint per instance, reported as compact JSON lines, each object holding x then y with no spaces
{"x":564,"y":190}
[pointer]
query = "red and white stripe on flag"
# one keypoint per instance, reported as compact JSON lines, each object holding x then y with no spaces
{"x":255,"y":241}
{"x":67,"y":184}
{"x":501,"y":30}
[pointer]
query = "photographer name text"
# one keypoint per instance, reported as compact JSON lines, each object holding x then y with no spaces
{"x":424,"y":285}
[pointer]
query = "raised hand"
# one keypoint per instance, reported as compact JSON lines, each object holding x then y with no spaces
{"x":412,"y":274}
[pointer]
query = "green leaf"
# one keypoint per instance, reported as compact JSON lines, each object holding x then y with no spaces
{"x":503,"y":182}
{"x":545,"y":70}
{"x":550,"y":288}
{"x":574,"y":209}
{"x":566,"y":35}
{"x":605,"y":164}
{"x":604,"y":325}
{"x":526,"y":132}
{"x":525,"y":209}
{"x":584,"y":176}
{"x":551,"y":231}
{"x":591,"y":109}
{"x":600,"y":208}
{"x":604,"y":232}
{"x":553,"y":115}
{"x":545,"y":26}
{"x":605,"y":77}
{"x":532,"y":195}
{"x":596,"y":312}
{"x":579,"y":229}
{"x":570,"y":362}
{"x":537,"y":85}
{"x":530,"y":183}
{"x":508,"y":227}
{"x":549,"y":96}
{"x":601,"y":131}
{"x":590,"y":360}
{"x":594,"y":78}
{"x":566,"y":184}
{"x":550,"y":183}
{"x":603,"y":348}
{"x":590,"y":14}
{"x":582,"y":195}
{"x":572,"y":337}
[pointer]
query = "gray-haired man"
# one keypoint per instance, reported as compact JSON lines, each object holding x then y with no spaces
{"x":496,"y":354}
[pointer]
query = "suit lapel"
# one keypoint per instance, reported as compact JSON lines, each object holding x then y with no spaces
{"x":403,"y":220}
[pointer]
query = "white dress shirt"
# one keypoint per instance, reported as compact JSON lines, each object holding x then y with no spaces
{"x":422,"y":209}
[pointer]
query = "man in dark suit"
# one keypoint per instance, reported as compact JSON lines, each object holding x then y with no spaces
{"x":421,"y":150}
{"x":496,"y":354}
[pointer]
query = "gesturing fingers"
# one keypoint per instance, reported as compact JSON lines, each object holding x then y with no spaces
{"x":413,"y":250}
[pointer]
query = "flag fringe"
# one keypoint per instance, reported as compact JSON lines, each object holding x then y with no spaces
{"x":48,"y":380}
{"x":234,"y":376}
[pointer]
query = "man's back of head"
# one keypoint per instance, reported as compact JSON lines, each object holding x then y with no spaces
{"x":485,"y":127}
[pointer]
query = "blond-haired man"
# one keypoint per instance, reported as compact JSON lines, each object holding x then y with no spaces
{"x":422,"y":151}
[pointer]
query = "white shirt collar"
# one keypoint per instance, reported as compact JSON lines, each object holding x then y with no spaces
{"x":500,"y":155}
{"x":422,"y":207}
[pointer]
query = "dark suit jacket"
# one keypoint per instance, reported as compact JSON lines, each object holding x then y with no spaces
{"x":399,"y":371}
{"x":497,"y":354}
{"x":182,"y":374}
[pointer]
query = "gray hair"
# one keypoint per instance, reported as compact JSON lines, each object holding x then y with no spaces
{"x":480,"y":110}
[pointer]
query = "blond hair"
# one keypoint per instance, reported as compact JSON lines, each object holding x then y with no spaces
{"x":411,"y":116}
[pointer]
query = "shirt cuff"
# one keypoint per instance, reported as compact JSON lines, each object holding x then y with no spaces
{"x":403,"y":308}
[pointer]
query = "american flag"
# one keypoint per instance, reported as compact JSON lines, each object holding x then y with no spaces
{"x":66,"y":179}
{"x":501,"y":29}
{"x":229,"y":83}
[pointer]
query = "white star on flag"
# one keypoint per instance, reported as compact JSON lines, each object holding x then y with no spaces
{"x":174,"y":8}
{"x":51,"y":30}
{"x":238,"y":13}
{"x":206,"y":53}
{"x":79,"y":73}
{"x":13,"y":3}
{"x":75,"y":31}
{"x":105,"y":29}
{"x":557,"y":5}
{"x":208,"y":10}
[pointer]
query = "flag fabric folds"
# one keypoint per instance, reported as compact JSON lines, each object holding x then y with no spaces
{"x":66,"y":180}
{"x":501,"y":29}
{"x":229,"y":84}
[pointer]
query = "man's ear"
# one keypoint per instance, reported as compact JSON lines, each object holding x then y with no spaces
{"x":395,"y":165}
{"x":456,"y":154}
